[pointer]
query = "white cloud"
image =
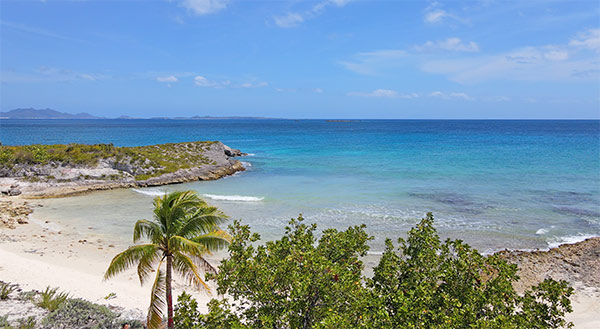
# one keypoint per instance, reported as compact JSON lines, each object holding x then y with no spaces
{"x":371,"y":63}
{"x":451,"y":44}
{"x":170,"y":78}
{"x":589,"y":39}
{"x":548,"y":63}
{"x":317,"y":90}
{"x":203,"y":7}
{"x":572,"y":61}
{"x":435,"y":16}
{"x":293,"y":19}
{"x":288,"y":20}
{"x":285,"y":90}
{"x":253,"y":85}
{"x":556,"y":55}
{"x":451,"y":95}
{"x":201,"y":81}
{"x":383,"y":93}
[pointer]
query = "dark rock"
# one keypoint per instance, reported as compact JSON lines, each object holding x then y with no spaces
{"x":14,"y":191}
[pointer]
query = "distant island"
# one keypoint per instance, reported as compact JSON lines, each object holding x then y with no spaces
{"x":32,"y":113}
{"x":49,"y":114}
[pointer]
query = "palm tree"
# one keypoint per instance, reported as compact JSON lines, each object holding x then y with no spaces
{"x":184,"y":230}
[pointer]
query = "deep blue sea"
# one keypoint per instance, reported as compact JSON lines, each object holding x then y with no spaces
{"x":495,"y":184}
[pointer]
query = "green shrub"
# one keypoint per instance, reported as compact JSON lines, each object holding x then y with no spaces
{"x":451,"y":285}
{"x":6,"y":289}
{"x":4,"y":322}
{"x":26,"y":323}
{"x":186,"y":313}
{"x":51,"y":299}
{"x":297,"y":282}
{"x":81,"y":314}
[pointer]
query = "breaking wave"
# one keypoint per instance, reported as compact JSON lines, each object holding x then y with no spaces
{"x":233,"y":198}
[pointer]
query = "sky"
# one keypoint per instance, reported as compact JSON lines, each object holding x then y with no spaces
{"x":303,"y":59}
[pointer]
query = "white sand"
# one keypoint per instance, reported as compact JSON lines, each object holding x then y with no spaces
{"x":35,"y":256}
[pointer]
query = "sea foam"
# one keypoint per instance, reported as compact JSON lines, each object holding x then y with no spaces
{"x":149,"y":192}
{"x":233,"y":198}
{"x":569,"y":240}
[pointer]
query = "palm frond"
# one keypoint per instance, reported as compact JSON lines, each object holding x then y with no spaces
{"x":146,"y":229}
{"x":186,"y":246}
{"x":145,"y":265}
{"x":213,"y":241}
{"x":128,"y":258}
{"x":203,"y":264}
{"x":202,"y":221}
{"x":157,"y":299}
{"x":185,"y":267}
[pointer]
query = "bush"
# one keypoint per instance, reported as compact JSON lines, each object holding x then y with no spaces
{"x":51,"y":299}
{"x":26,"y":323}
{"x":81,"y":314}
{"x":6,"y":289}
{"x":4,"y":322}
{"x":451,"y":285}
{"x":295,"y":282}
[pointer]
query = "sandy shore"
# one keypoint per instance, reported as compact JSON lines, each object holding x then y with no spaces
{"x":56,"y":254}
{"x":61,"y":254}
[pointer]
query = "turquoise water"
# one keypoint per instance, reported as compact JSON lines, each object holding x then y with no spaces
{"x":495,"y":184}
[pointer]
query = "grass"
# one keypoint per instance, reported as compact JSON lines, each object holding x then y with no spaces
{"x":6,"y":289}
{"x":51,"y":299}
{"x":145,"y":161}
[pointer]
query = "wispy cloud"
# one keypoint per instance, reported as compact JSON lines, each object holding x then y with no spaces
{"x":254,"y":84}
{"x":575,"y":60}
{"x":387,"y":93}
{"x":371,"y":63}
{"x":435,"y":14}
{"x":288,"y":20}
{"x":170,"y":79}
{"x":589,"y":39}
{"x":50,"y":74}
{"x":451,"y":95}
{"x":450,"y":44}
{"x":204,"y":7}
{"x":293,"y":19}
{"x":201,"y":81}
{"x":546,"y":63}
{"x":39,"y":31}
{"x":383,"y":93}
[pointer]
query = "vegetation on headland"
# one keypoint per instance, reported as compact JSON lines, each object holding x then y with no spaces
{"x":301,"y":282}
{"x":184,"y":229}
{"x":143,"y":161}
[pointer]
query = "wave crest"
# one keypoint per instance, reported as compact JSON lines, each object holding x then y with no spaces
{"x":233,"y":198}
{"x":149,"y":192}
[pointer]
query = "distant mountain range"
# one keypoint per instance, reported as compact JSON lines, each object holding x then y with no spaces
{"x":31,"y":113}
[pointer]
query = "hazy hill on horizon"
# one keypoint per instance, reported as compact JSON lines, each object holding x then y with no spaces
{"x":31,"y":113}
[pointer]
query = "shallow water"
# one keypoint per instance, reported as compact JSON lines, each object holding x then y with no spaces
{"x":495,"y":184}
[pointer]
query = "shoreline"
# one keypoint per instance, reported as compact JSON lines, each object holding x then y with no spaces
{"x":74,"y":260}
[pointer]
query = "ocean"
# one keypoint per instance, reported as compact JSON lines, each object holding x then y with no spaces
{"x":494,"y":184}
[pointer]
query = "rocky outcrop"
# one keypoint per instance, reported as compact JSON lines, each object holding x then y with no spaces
{"x":578,"y":264}
{"x":13,"y":213}
{"x":125,"y":167}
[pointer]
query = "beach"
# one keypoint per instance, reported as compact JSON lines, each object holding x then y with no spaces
{"x":61,"y":254}
{"x":70,"y":256}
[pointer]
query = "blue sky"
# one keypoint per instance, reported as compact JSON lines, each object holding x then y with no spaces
{"x":303,"y":59}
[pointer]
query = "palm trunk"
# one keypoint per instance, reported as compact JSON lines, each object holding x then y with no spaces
{"x":170,"y":324}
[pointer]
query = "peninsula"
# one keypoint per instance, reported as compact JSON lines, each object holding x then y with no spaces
{"x":39,"y":171}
